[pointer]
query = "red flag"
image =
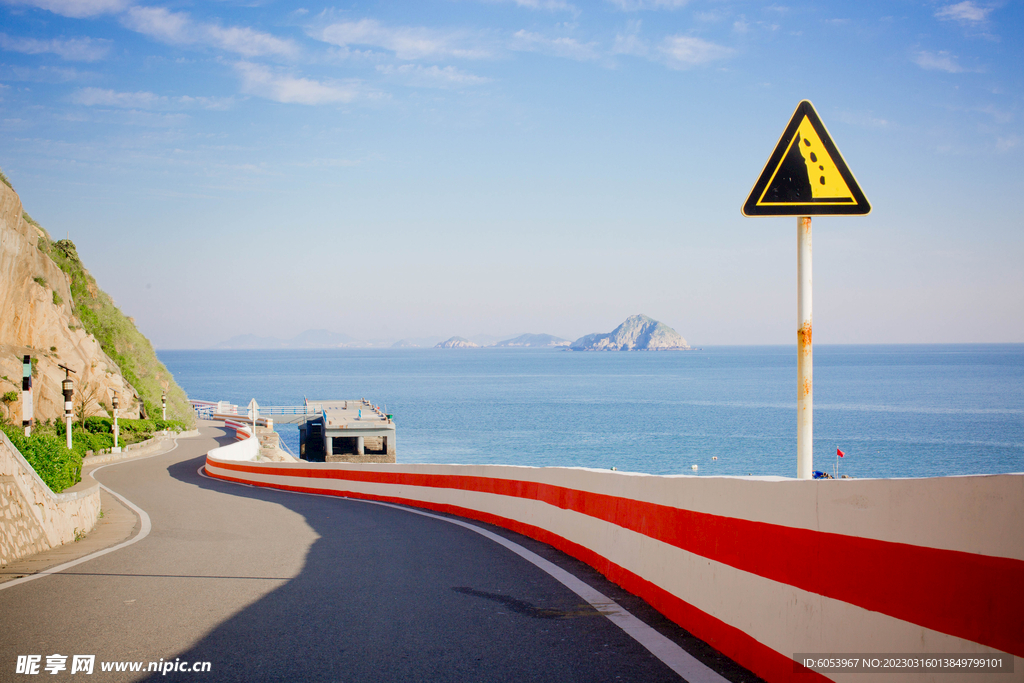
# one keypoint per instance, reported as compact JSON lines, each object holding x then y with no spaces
{"x":840,"y":453}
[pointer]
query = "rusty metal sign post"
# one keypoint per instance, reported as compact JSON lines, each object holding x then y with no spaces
{"x":805,"y":176}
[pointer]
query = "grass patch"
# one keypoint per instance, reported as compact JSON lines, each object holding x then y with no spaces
{"x":58,"y":300}
{"x":5,"y":181}
{"x":31,"y":221}
{"x":41,"y":281}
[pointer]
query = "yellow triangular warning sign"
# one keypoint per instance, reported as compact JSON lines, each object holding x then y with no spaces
{"x":806,"y":175}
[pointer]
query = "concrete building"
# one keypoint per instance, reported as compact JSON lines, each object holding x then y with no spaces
{"x":347,"y":431}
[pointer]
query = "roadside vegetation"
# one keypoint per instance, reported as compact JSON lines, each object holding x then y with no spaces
{"x":46,"y":450}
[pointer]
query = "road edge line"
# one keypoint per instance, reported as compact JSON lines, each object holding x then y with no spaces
{"x":665,"y":650}
{"x":144,"y":523}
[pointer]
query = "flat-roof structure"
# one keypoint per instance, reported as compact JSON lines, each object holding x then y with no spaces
{"x":351,"y":430}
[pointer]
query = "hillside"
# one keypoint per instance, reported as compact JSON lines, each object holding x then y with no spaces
{"x":636,"y":333}
{"x":52,"y":309}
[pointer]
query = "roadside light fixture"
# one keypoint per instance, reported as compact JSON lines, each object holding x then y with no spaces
{"x":26,"y":395}
{"x":163,"y":402}
{"x":115,"y":403}
{"x":68,"y":389}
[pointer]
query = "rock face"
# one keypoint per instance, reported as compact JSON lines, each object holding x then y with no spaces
{"x":457,"y":343}
{"x":37,"y":319}
{"x":637,"y":333}
{"x":534,"y":340}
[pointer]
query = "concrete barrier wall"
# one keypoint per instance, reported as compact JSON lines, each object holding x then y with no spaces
{"x":245,"y":448}
{"x":760,"y":568}
{"x":32,"y":517}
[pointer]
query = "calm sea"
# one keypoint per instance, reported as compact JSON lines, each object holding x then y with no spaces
{"x":896,"y":411}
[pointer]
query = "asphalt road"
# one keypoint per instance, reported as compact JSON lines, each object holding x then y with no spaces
{"x":269,"y":585}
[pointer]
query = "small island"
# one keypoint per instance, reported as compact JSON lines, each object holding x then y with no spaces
{"x":636,"y":333}
{"x":457,"y":343}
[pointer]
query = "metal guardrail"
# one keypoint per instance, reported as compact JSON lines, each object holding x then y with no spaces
{"x":310,"y":409}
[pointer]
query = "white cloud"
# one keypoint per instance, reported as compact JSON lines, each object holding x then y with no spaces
{"x":100,"y":97}
{"x":45,"y":74}
{"x":938,"y":61}
{"x":681,"y":52}
{"x":75,"y":8}
{"x":259,"y":80}
{"x":432,"y":76}
{"x":863,"y":119}
{"x":629,"y":42}
{"x":1006,"y":144}
{"x":407,"y":42}
{"x":72,"y":49}
{"x":965,"y":11}
{"x":636,"y":5}
{"x":551,"y":5}
{"x":560,"y":47}
{"x":159,"y":23}
{"x":91,"y":97}
{"x":178,"y":28}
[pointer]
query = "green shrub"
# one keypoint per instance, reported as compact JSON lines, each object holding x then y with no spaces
{"x":88,"y":441}
{"x":58,"y":300}
{"x":49,"y":456}
{"x":137,"y":426}
{"x":100,"y":425}
{"x":170,"y":425}
{"x":41,"y":281}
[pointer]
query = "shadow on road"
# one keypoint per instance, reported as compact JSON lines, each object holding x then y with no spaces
{"x":385,"y":595}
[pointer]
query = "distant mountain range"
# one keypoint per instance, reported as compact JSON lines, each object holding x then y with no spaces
{"x":534,"y":340}
{"x":310,"y":339}
{"x":636,"y":333}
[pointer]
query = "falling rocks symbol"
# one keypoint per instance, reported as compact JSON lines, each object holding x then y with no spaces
{"x":806,"y":175}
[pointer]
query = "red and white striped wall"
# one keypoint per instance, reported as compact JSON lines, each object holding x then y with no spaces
{"x":760,"y":568}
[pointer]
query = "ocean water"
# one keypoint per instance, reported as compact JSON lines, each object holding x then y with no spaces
{"x":895,"y":410}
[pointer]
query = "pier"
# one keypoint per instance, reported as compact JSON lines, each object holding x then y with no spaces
{"x":353,"y":430}
{"x":347,"y":431}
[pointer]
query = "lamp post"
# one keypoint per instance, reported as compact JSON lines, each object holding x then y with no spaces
{"x":26,"y":395}
{"x":163,"y":402}
{"x":116,"y":403}
{"x":68,"y":389}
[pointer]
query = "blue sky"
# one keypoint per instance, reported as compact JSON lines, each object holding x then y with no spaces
{"x":416,"y":169}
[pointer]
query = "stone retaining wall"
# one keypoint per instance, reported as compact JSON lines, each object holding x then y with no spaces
{"x":32,"y":517}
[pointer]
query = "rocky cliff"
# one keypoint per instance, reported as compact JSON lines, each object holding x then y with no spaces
{"x":40,"y":317}
{"x":636,"y":333}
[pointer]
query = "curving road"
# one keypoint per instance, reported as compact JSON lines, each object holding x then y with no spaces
{"x":274,"y":586}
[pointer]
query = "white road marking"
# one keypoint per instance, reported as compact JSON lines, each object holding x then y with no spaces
{"x":673,"y":656}
{"x":146,"y":527}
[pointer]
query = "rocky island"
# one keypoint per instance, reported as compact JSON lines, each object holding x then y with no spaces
{"x":457,"y":343}
{"x":636,"y":333}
